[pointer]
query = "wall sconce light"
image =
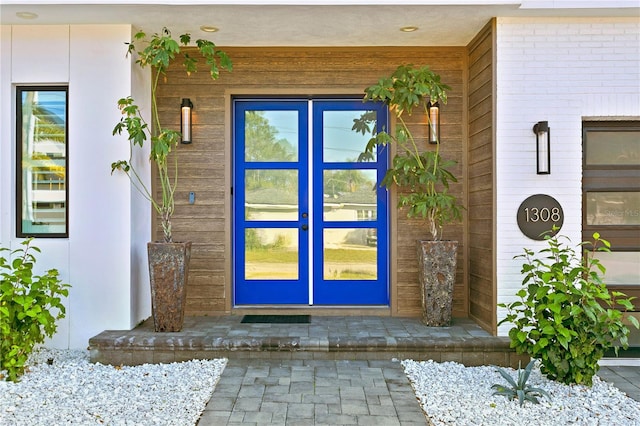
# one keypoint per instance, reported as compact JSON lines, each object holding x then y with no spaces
{"x":185,"y":120}
{"x":434,"y":122}
{"x":543,"y":147}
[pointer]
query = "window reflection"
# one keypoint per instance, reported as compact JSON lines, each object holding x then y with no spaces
{"x":349,"y":195}
{"x":613,"y":208}
{"x":613,"y":148}
{"x":271,"y":254}
{"x":342,"y":143}
{"x":271,"y":194}
{"x":42,"y":119}
{"x":271,"y":136}
{"x":350,"y":254}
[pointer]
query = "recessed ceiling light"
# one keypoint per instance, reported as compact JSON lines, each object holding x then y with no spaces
{"x":209,"y":29}
{"x":409,"y":29}
{"x":26,"y":15}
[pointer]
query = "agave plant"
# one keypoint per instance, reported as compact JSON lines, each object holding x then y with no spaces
{"x":519,"y":389}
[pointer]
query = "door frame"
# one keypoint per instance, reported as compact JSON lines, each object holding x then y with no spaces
{"x":324,"y":95}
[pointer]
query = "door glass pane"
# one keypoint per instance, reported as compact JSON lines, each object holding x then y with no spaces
{"x":350,"y":254}
{"x":613,"y":148}
{"x":271,"y":194}
{"x":343,"y":143}
{"x":349,"y":195}
{"x":623,"y":267}
{"x":613,"y":208}
{"x":271,"y":136}
{"x":271,"y":253}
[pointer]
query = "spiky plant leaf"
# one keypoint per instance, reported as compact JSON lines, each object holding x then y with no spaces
{"x":519,"y":389}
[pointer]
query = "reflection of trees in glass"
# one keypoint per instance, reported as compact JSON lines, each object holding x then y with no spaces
{"x":255,"y":241}
{"x":283,"y":180}
{"x":345,"y":180}
{"x":251,"y":239}
{"x":261,"y":143}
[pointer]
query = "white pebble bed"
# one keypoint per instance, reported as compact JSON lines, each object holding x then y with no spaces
{"x":452,"y":394}
{"x":74,"y":391}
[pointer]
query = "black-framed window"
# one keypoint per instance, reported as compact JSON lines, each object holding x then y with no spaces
{"x":42,"y":185}
{"x":611,"y":198}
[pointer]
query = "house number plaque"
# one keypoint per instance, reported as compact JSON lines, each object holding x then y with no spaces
{"x":538,"y":214}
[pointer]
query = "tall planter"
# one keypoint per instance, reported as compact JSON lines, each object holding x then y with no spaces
{"x":437,"y":270}
{"x":168,"y":273}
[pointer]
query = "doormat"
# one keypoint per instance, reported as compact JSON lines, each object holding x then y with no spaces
{"x":276,"y":319}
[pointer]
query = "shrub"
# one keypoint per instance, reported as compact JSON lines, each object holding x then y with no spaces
{"x":565,"y":316}
{"x":29,"y":307}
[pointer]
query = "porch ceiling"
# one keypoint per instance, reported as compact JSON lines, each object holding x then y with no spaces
{"x":300,"y":23}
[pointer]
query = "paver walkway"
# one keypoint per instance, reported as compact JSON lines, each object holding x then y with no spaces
{"x":624,"y":377}
{"x":313,"y":392}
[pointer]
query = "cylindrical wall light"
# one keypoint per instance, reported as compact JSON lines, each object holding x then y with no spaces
{"x":185,"y":120}
{"x":434,"y":122}
{"x":543,"y":147}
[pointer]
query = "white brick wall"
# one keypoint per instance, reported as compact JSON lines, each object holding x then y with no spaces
{"x":560,"y":71}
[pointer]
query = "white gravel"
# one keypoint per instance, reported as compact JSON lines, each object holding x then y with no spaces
{"x":452,"y":394}
{"x":74,"y":391}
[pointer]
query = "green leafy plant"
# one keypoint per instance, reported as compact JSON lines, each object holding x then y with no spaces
{"x":423,"y":176}
{"x":519,"y":388}
{"x":30,"y":305}
{"x":160,"y":51}
{"x":565,"y":316}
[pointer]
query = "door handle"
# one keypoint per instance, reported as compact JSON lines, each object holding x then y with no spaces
{"x":304,"y":227}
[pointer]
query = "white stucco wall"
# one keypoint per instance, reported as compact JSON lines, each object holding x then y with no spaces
{"x":560,"y":71}
{"x":97,"y":259}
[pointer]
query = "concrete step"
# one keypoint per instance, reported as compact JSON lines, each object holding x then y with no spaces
{"x":325,"y":338}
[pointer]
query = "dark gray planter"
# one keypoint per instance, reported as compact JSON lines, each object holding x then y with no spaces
{"x":437,"y":271}
{"x":168,"y":273}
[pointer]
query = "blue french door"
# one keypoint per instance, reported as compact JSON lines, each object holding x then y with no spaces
{"x":310,"y":218}
{"x":271,"y":208}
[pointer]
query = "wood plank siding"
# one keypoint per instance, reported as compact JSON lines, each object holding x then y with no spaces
{"x":481,"y":176}
{"x":206,"y":163}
